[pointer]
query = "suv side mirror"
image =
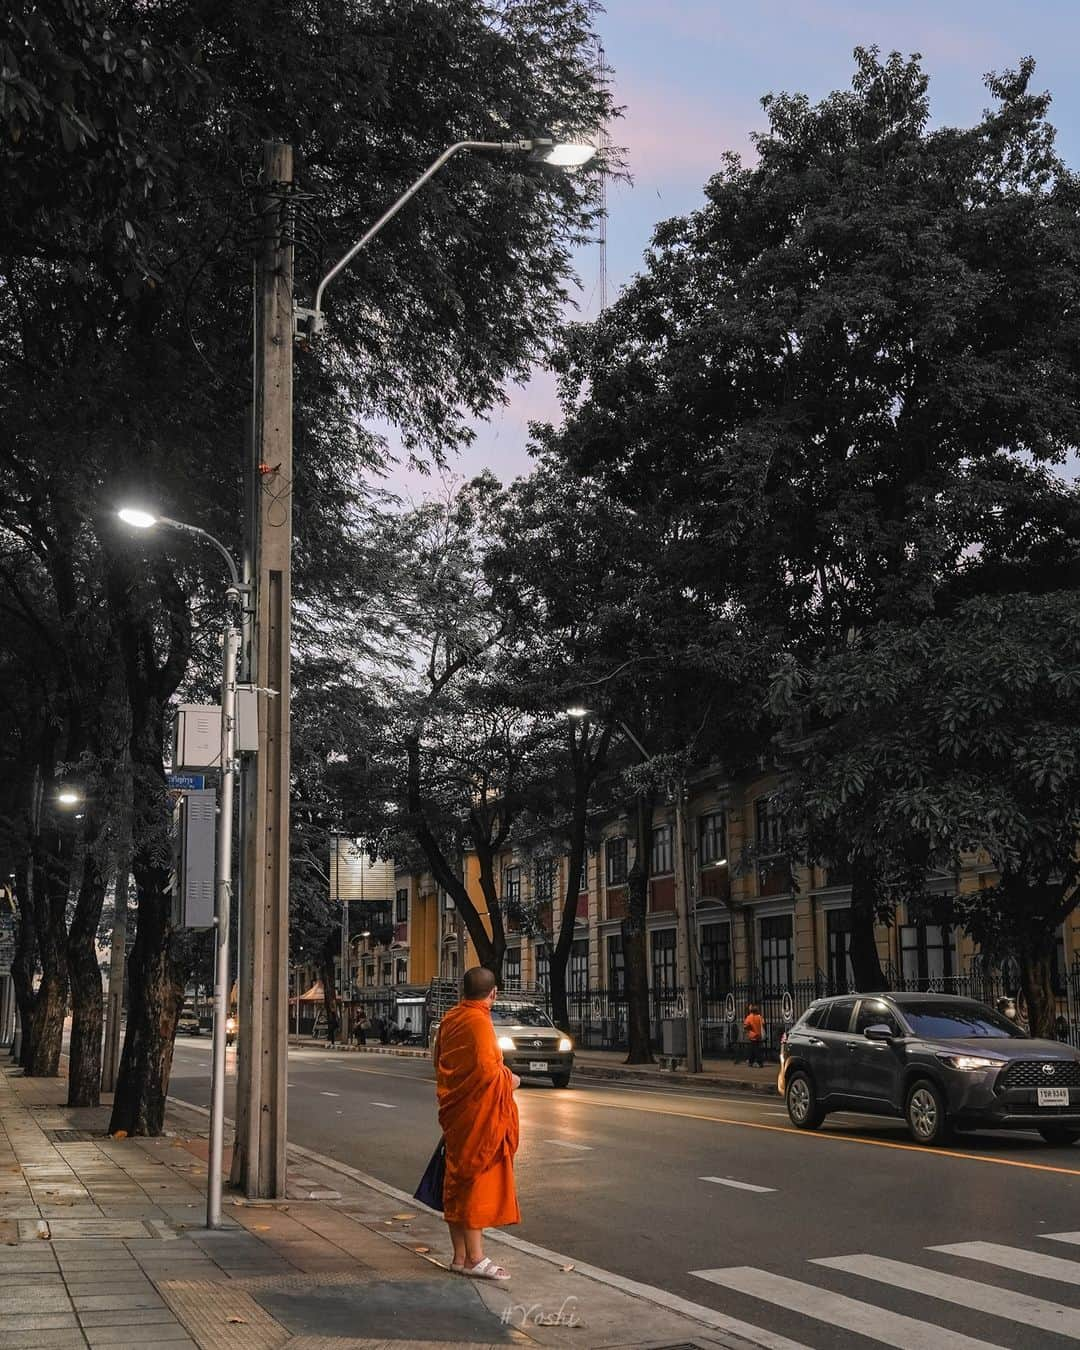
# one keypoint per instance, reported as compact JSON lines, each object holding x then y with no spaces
{"x":878,"y":1032}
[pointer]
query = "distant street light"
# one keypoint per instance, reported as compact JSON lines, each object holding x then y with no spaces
{"x":559,"y":154}
{"x":69,"y":797}
{"x":144,"y":520}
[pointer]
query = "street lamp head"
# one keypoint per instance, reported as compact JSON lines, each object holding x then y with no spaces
{"x":139,"y":520}
{"x":69,"y":797}
{"x":563,"y":154}
{"x":366,"y":933}
{"x":578,"y":711}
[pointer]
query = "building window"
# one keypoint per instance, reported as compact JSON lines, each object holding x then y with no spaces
{"x":615,"y":856}
{"x":512,"y":968}
{"x":453,"y":965}
{"x":543,"y":969}
{"x":545,"y":880}
{"x":777,"y":952}
{"x":927,"y":953}
{"x":387,"y":972}
{"x":578,"y":974}
{"x":838,"y":933}
{"x":512,"y":885}
{"x":716,"y":959}
{"x":663,"y":960}
{"x":369,"y":974}
{"x":769,"y":827}
{"x":616,"y":965}
{"x":660,"y":862}
{"x":401,"y":972}
{"x":712,"y":837}
{"x":402,"y":907}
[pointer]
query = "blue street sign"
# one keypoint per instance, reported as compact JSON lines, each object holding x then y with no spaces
{"x":185,"y":782}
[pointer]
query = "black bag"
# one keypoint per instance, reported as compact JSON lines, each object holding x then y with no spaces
{"x":430,"y":1190}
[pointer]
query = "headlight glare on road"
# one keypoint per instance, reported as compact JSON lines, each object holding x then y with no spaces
{"x":969,"y":1063}
{"x":506,"y":1043}
{"x":565,"y":1045}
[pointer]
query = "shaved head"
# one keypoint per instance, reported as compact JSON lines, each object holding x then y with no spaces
{"x":478,"y":982}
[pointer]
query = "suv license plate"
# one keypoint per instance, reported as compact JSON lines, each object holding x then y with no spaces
{"x":1053,"y":1096}
{"x":540,"y":1066}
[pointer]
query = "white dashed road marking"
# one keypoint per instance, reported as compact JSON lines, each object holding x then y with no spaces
{"x":739,"y":1185}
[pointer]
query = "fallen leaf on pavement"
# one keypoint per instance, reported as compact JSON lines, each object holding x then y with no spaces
{"x":403,"y":1216}
{"x":261,"y":1227}
{"x":237,"y":1321}
{"x":421,"y":1249}
{"x":567,"y":1269}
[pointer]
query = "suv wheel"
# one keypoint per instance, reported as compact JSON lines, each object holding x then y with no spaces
{"x":924,"y":1112}
{"x":802,"y":1104}
{"x":1059,"y":1135}
{"x":561,"y":1080}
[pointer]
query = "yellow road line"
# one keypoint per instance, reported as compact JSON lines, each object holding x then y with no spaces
{"x":844,"y":1138}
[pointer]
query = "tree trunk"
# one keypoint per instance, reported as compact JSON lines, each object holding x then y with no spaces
{"x":865,"y":962}
{"x":84,"y":1059}
{"x":24,"y":963}
{"x":1036,"y":981}
{"x":50,"y":891}
{"x":635,"y":942}
{"x":155,"y":984}
{"x":329,"y":983}
{"x":155,"y":997}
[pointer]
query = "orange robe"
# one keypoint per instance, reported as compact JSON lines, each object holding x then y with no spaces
{"x":479,"y":1120}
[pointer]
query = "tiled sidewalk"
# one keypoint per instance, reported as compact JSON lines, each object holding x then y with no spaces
{"x":102,"y":1244}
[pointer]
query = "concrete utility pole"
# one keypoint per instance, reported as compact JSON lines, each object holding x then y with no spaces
{"x":685,"y":936}
{"x":259,"y":1166}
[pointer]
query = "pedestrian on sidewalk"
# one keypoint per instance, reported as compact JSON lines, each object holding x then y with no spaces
{"x":360,"y":1030}
{"x":479,"y":1120}
{"x":754,"y":1026}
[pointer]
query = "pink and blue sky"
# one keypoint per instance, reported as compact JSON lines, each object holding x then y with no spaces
{"x":691,"y":73}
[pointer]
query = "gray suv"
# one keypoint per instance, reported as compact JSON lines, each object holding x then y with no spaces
{"x":939,"y":1061}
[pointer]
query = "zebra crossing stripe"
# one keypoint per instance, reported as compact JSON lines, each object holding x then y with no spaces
{"x":985,"y":1298}
{"x":877,"y":1324}
{"x":1016,"y":1258}
{"x":1073,"y":1238}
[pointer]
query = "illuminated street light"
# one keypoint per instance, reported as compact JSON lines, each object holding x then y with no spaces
{"x":69,"y":797}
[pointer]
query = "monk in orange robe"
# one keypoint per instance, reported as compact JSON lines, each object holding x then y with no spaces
{"x":479,"y":1120}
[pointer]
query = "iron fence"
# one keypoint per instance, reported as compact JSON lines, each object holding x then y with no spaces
{"x":598,"y":1017}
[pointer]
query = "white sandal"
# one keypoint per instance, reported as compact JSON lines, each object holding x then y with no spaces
{"x":485,"y":1270}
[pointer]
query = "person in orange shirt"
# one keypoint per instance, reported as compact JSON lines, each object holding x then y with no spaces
{"x":479,"y":1120}
{"x":754,"y":1025}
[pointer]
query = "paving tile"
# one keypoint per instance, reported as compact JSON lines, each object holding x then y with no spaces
{"x":28,"y":1300}
{"x":103,"y":1302}
{"x":127,"y":1317}
{"x":48,"y":1340}
{"x":171,"y":1334}
{"x":44,"y":1321}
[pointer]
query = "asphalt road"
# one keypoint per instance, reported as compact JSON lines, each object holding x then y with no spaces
{"x":637,"y":1181}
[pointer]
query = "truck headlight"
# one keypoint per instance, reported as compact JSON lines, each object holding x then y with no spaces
{"x":969,"y":1063}
{"x":506,"y":1043}
{"x":565,"y":1045}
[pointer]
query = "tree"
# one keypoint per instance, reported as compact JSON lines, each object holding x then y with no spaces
{"x":829,"y":376}
{"x":124,"y":256}
{"x":920,"y":746}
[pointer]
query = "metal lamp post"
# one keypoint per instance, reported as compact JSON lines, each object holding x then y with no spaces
{"x":223,"y":865}
{"x":559,"y":154}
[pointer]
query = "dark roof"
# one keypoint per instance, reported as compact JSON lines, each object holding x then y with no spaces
{"x":908,"y":996}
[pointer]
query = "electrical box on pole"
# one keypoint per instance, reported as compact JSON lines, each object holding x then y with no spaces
{"x":195,"y":821}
